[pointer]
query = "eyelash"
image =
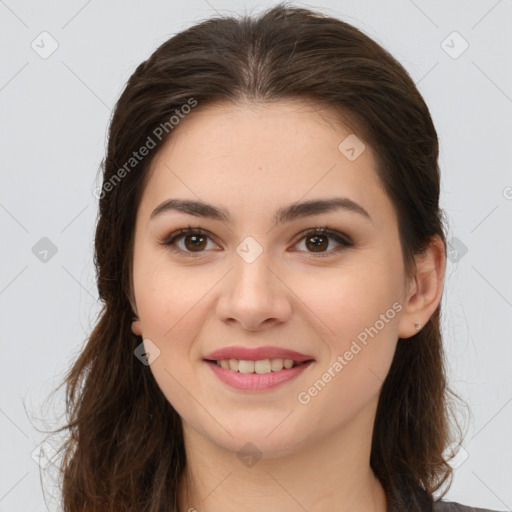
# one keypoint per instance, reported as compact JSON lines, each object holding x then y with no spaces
{"x":343,"y":240}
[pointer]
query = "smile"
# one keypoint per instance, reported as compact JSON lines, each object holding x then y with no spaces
{"x":256,"y":368}
{"x":252,"y":381}
{"x":260,"y":366}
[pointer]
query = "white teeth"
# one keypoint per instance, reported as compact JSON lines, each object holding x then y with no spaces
{"x":260,"y":366}
{"x":276,"y":364}
{"x":245,"y":366}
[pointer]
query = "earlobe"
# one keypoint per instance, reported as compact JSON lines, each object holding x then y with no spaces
{"x":136,"y":327}
{"x":426,"y":290}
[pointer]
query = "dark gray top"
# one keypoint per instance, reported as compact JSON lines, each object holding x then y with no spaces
{"x":451,"y":506}
{"x":419,"y":501}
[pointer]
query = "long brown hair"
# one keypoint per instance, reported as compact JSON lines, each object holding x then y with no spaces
{"x":124,"y":450}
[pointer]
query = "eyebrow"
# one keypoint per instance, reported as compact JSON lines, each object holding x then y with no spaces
{"x":285,"y":214}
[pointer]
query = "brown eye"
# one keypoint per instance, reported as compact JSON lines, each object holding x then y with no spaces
{"x":188,"y":241}
{"x":196,"y":242}
{"x":317,"y":242}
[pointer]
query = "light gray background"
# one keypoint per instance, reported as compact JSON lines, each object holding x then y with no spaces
{"x":54,"y":114}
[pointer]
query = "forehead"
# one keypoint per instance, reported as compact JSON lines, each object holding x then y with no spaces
{"x":245,"y":127}
{"x":263,"y":153}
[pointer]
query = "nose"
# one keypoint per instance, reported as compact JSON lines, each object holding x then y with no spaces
{"x":254,"y":296}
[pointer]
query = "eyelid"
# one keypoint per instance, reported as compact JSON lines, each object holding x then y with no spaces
{"x":171,"y":239}
{"x":339,"y":237}
{"x":343,"y":240}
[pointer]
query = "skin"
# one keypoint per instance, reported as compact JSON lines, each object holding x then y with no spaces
{"x":252,"y":159}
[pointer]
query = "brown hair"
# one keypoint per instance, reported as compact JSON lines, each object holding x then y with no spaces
{"x":125,"y":446}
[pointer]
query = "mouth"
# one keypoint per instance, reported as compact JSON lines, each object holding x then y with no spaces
{"x":259,"y":366}
{"x":255,"y":354}
{"x":257,"y":369}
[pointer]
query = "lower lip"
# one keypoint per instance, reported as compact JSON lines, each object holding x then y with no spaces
{"x":256,"y":381}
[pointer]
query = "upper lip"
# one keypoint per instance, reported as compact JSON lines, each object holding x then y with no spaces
{"x":256,"y":354}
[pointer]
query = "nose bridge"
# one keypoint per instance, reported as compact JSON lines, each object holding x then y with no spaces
{"x":252,"y":275}
{"x":254,"y":293}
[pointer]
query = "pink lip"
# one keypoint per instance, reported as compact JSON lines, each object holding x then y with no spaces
{"x":255,"y":381}
{"x":255,"y":354}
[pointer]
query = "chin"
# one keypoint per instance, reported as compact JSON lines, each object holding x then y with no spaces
{"x":260,"y":447}
{"x":268,"y":439}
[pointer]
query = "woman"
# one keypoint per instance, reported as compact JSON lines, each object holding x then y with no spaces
{"x":271,"y":256}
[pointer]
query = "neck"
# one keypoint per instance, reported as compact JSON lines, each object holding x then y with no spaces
{"x":333,"y":473}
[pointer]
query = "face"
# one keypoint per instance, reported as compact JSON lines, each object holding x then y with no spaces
{"x":252,"y":280}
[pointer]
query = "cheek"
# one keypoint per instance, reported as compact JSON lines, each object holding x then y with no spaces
{"x":347,"y":301}
{"x":172,"y":306}
{"x":361,"y":349}
{"x":359,"y":318}
{"x":166,"y":296}
{"x":169,"y":307}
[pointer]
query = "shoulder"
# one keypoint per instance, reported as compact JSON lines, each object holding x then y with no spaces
{"x":451,"y":506}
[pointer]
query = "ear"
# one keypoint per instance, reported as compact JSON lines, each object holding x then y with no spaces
{"x":136,"y":325}
{"x":425,"y":290}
